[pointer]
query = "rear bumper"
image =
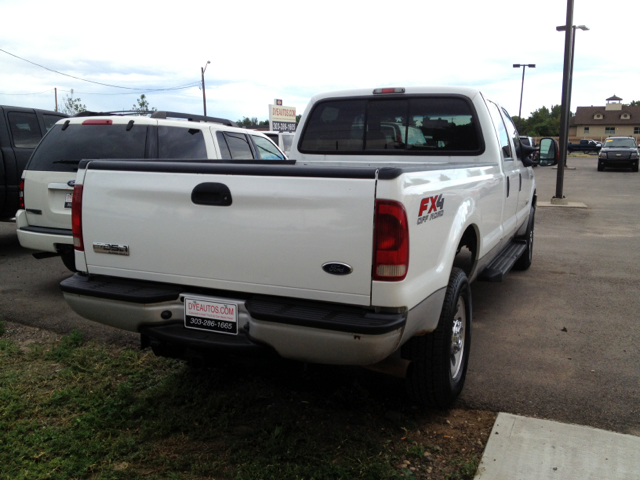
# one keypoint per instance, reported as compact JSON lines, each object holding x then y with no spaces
{"x":41,"y":238}
{"x":316,"y":332}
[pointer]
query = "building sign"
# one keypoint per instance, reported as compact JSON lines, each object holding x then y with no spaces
{"x":281,"y":118}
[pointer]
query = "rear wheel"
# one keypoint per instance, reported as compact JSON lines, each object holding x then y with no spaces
{"x":439,"y":360}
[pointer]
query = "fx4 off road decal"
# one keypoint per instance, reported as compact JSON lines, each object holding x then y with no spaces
{"x":431,"y":208}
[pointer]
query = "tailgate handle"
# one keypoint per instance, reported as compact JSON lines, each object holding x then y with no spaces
{"x":217,"y":194}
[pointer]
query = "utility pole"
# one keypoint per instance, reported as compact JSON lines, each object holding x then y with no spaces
{"x":204,"y":97}
{"x":56,"y":90}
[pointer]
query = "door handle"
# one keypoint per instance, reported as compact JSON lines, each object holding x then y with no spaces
{"x":215,"y":194}
{"x":508,"y":186}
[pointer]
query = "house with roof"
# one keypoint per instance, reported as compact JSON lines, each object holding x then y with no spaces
{"x":614,"y":119}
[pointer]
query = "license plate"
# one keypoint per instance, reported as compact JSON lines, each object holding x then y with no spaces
{"x":204,"y":314}
{"x":68,"y":200}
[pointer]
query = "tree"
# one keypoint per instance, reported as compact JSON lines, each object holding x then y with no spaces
{"x":72,"y":106}
{"x":252,"y":122}
{"x":542,"y":122}
{"x":635,"y":103}
{"x":142,"y":108}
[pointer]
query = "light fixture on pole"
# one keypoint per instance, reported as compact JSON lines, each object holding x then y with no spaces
{"x":524,"y":67}
{"x":204,"y":97}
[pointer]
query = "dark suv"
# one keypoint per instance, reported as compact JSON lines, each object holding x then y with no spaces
{"x":20,"y":131}
{"x":618,"y":152}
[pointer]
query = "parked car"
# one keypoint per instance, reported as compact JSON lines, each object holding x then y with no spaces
{"x":20,"y":131}
{"x":44,"y":219}
{"x":619,"y":152}
{"x":345,"y":255}
{"x":585,"y":145}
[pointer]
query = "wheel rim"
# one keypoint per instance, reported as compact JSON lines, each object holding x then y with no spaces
{"x":457,"y":338}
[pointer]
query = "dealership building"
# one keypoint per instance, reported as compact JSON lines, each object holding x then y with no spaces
{"x":598,"y":123}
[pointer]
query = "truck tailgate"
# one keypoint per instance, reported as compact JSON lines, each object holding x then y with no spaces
{"x":282,"y":224}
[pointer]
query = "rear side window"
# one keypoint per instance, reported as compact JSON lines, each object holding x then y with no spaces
{"x":176,"y":142}
{"x":24,"y":129}
{"x":234,"y":146}
{"x":50,"y":120}
{"x":62,"y":150}
{"x":394,"y":126}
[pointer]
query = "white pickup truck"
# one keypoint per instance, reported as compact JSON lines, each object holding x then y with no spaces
{"x":357,"y":251}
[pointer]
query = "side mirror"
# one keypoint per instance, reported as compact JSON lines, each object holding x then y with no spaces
{"x":549,"y":152}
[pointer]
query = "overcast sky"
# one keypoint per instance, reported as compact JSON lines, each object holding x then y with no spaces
{"x":261,"y":50}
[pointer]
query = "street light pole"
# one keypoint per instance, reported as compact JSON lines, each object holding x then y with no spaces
{"x":562,"y":28}
{"x":524,"y":67}
{"x":204,"y":97}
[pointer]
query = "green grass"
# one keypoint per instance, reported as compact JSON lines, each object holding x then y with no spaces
{"x":77,"y":410}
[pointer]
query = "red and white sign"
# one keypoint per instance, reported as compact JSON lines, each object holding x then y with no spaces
{"x":206,"y":309}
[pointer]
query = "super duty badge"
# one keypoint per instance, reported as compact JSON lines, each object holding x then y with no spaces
{"x":111,"y":248}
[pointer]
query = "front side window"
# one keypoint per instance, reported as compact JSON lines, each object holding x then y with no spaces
{"x":501,"y":129}
{"x":24,"y":129}
{"x":266,"y":149}
{"x":513,"y":133}
{"x":393,"y":126}
{"x":178,"y":142}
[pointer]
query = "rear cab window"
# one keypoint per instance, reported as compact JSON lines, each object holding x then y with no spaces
{"x":422,"y":125}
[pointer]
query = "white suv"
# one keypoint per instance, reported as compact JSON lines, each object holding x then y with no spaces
{"x":44,"y":218}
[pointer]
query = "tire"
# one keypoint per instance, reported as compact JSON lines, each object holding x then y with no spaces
{"x":524,"y":262}
{"x":634,"y":168}
{"x":600,"y":167}
{"x":438,"y":367}
{"x":69,"y":260}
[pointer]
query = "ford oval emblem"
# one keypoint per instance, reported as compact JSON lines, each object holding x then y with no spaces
{"x":337,"y":268}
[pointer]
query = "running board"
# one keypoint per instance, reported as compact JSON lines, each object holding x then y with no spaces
{"x":497,"y":269}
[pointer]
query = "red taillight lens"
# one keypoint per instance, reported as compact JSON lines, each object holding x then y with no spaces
{"x":97,"y":122}
{"x":391,"y":242}
{"x":21,"y":200}
{"x":76,"y":218}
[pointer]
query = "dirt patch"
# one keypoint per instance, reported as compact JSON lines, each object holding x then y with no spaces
{"x":25,"y":336}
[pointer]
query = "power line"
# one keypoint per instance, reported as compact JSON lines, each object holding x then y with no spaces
{"x":35,"y":93}
{"x":97,"y":83}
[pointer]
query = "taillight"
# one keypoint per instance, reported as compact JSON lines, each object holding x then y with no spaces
{"x":391,"y":242}
{"x":76,"y":218}
{"x":21,"y":200}
{"x":96,"y":121}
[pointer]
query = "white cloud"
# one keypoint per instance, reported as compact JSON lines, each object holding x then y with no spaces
{"x":260,"y":51}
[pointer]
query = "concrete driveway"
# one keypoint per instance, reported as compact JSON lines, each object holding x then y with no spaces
{"x":559,"y":341}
